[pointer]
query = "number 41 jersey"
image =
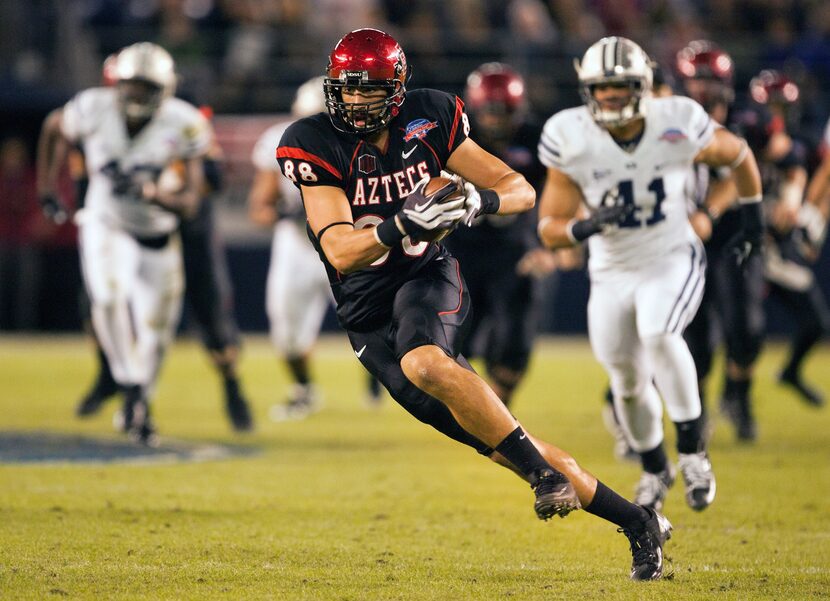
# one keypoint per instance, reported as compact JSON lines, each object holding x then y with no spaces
{"x":653,"y":177}
{"x":428,"y":129}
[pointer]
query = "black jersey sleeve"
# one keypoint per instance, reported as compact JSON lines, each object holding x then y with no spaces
{"x":308,"y":157}
{"x":453,"y":123}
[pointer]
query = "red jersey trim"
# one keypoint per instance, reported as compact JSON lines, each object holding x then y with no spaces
{"x":460,"y":290}
{"x":290,"y":152}
{"x":459,"y":108}
{"x":354,"y":155}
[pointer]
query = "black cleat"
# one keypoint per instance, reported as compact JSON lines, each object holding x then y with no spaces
{"x":809,"y":395}
{"x":554,"y":497}
{"x":738,"y":412}
{"x":136,"y":419}
{"x":95,"y":399}
{"x":647,"y":542}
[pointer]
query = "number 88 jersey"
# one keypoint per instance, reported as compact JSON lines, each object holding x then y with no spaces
{"x":653,"y":177}
{"x":312,"y":152}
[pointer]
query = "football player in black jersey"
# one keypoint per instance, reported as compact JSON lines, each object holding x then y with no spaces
{"x":500,"y":256}
{"x":791,"y":246}
{"x":732,"y":305}
{"x":362,"y":170}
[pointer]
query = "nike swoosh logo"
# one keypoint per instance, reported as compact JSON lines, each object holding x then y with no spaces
{"x":360,"y":352}
{"x":419,"y":207}
{"x":523,"y":436}
{"x":406,"y":154}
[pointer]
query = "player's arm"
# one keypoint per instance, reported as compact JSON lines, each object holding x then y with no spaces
{"x":330,"y":219}
{"x":183,"y":201}
{"x":500,"y":189}
{"x":785,"y":213}
{"x":558,"y":206}
{"x":728,"y":150}
{"x":264,"y":197}
{"x":815,"y":211}
{"x":52,"y":150}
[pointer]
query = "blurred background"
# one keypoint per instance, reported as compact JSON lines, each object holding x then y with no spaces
{"x":245,"y":59}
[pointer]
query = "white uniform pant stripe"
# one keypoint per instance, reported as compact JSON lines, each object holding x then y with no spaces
{"x":692,"y":288}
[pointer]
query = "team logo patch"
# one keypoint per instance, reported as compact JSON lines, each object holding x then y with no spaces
{"x":601,"y":173}
{"x":419,"y":128}
{"x":366,"y":163}
{"x":673,"y":135}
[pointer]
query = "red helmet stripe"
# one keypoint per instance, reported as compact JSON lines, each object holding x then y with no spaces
{"x":459,"y":109}
{"x":290,"y":152}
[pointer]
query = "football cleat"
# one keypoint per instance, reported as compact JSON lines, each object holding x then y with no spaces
{"x":699,"y":478}
{"x":94,"y":400}
{"x":303,"y":400}
{"x":647,"y":541}
{"x":808,"y":395}
{"x":554,"y":497}
{"x":738,"y":412}
{"x":135,"y":416}
{"x":652,"y":489}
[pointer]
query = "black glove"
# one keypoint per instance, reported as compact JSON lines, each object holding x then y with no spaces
{"x":602,"y":217}
{"x":748,"y":241}
{"x":53,"y":209}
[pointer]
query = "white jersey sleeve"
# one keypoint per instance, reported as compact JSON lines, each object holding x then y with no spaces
{"x":264,"y":155}
{"x":81,"y":115}
{"x":195,"y":134}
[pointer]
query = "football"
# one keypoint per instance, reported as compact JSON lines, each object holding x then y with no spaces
{"x":446,"y":189}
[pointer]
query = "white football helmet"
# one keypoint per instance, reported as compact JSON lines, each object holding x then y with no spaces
{"x":148,"y":63}
{"x":615,"y":60}
{"x":310,"y":98}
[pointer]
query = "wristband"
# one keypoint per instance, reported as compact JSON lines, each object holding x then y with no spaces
{"x":752,"y":217}
{"x":490,"y":202}
{"x":388,"y":233}
{"x":748,"y":200}
{"x":741,"y":156}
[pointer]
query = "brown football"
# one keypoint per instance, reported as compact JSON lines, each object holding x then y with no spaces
{"x":449,"y":190}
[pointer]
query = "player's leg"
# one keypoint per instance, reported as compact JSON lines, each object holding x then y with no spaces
{"x":514,"y":323}
{"x":209,"y":295}
{"x":741,"y":307}
{"x":109,"y":263}
{"x":104,"y":387}
{"x":667,"y":298}
{"x":812,"y":317}
{"x":646,"y":530}
{"x":616,"y":345}
{"x":157,"y":303}
{"x":297,"y":298}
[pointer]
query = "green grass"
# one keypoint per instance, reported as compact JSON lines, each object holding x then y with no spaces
{"x":358,"y":504}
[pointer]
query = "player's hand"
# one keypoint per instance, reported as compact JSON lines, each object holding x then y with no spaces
{"x":614,"y":215}
{"x":53,"y":209}
{"x":472,"y":203}
{"x":422,"y":213}
{"x":537,"y":263}
{"x":745,"y":244}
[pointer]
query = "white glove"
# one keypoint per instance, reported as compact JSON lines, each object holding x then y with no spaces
{"x":472,"y":204}
{"x":431,"y":213}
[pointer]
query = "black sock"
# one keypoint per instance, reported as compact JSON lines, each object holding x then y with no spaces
{"x":523,"y":454}
{"x":655,"y":460}
{"x":105,"y":380}
{"x":298,"y":366}
{"x":736,"y":389}
{"x":612,"y":507}
{"x":690,"y":435}
{"x":231,"y":387}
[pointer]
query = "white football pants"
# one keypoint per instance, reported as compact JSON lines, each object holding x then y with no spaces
{"x":636,"y":319}
{"x":298,"y":293}
{"x":135,"y":294}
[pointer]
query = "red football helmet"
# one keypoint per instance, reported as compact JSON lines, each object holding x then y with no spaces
{"x":773,"y":87}
{"x":495,"y":87}
{"x":706,"y":62}
{"x":365,"y":58}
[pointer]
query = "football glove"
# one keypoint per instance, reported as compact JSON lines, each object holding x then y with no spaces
{"x":53,"y":209}
{"x":748,"y":241}
{"x":603,"y":217}
{"x":423,"y":213}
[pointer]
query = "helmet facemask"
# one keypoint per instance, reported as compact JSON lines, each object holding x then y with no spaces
{"x":139,"y":99}
{"x":145,"y":76}
{"x":362,"y":117}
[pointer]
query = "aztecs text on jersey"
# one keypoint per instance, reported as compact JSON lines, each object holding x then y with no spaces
{"x":653,"y":177}
{"x":430,"y":126}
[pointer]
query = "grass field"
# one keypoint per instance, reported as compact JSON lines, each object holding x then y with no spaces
{"x":360,"y":504}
